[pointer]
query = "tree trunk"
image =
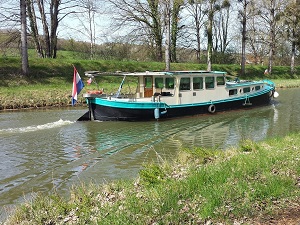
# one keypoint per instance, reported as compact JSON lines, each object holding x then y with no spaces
{"x":156,"y":28}
{"x":34,"y":29}
{"x":293,"y":55}
{"x":45,"y":28}
{"x":272,"y":36}
{"x":209,"y":41}
{"x":197,"y":18}
{"x":225,"y":24}
{"x":198,"y":37}
{"x":244,"y":37}
{"x":91,"y":22}
{"x":174,"y":28}
{"x":158,"y":47}
{"x":167,"y":24}
{"x":54,"y":24}
{"x":174,"y":32}
{"x":24,"y":47}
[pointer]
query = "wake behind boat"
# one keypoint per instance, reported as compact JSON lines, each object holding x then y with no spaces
{"x":161,"y":95}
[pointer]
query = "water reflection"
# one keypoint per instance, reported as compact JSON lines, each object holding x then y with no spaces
{"x":46,"y":149}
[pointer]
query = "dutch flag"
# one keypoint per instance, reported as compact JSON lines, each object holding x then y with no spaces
{"x":77,"y":86}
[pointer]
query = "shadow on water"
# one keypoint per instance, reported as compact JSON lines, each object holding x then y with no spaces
{"x":47,"y":150}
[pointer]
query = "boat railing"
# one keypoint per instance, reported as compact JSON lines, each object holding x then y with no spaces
{"x":130,"y":97}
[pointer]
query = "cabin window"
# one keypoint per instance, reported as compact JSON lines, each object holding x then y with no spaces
{"x":257,"y":88}
{"x":209,"y":82}
{"x":246,"y":89}
{"x":185,"y":84}
{"x":197,"y":83}
{"x":220,"y":81}
{"x":232,"y":92}
{"x":148,"y":82}
{"x":169,"y":83}
{"x":159,"y":82}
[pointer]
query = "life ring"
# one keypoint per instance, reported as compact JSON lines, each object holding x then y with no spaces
{"x":212,"y":108}
{"x":95,"y":92}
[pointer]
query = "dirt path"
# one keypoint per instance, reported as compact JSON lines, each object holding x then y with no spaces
{"x":289,"y":216}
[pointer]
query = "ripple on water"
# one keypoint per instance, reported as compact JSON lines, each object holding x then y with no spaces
{"x":46,"y":150}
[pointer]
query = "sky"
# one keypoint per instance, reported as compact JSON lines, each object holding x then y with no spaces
{"x":71,"y":27}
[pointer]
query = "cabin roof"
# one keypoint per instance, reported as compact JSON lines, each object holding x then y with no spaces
{"x":152,"y":73}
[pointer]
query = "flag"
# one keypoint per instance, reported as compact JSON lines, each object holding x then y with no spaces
{"x":89,"y":81}
{"x":77,"y":86}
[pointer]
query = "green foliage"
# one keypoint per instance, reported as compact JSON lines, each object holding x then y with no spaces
{"x":41,"y":69}
{"x":152,"y":174}
{"x":42,"y":210}
{"x":248,"y":146}
{"x":203,"y":155}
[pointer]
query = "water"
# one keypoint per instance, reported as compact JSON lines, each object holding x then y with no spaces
{"x":43,"y":150}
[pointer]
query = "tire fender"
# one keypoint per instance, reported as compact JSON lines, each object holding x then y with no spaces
{"x":212,"y":108}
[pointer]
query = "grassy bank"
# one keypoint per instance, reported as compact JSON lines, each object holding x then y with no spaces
{"x":250,"y":183}
{"x":50,"y":80}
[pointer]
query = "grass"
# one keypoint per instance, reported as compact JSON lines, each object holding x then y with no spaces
{"x":287,"y":83}
{"x":201,"y":185}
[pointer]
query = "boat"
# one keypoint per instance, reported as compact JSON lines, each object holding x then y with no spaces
{"x":161,"y":95}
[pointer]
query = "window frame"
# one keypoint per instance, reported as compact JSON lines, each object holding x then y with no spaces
{"x":248,"y":89}
{"x":235,"y":91}
{"x":208,"y":84}
{"x":200,"y":83}
{"x":156,"y":84}
{"x":218,"y":81}
{"x":167,"y":83}
{"x":181,"y":87}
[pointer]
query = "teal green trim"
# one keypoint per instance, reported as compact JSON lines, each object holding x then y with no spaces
{"x":243,"y":84}
{"x":194,"y":72}
{"x":153,"y":105}
{"x":127,"y":104}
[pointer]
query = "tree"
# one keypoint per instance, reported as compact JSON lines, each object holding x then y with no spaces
{"x":243,"y":14}
{"x":34,"y":29}
{"x":270,"y":12}
{"x":88,"y":10}
{"x":222,"y":26}
{"x":142,"y":19}
{"x":212,"y":8}
{"x":256,"y":41}
{"x":48,"y":46}
{"x":24,"y":47}
{"x":292,"y":21}
{"x":195,"y":9}
{"x":175,"y":28}
{"x":167,"y":19}
{"x":256,"y":36}
{"x":171,"y":18}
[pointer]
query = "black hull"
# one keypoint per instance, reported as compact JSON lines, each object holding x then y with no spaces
{"x":105,"y":113}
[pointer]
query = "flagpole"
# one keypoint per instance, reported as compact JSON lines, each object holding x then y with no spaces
{"x":120,"y":87}
{"x":77,"y":86}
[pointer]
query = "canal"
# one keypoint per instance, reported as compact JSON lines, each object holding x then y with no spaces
{"x":46,"y":150}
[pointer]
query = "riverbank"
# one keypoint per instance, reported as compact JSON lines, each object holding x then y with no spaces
{"x":255,"y":183}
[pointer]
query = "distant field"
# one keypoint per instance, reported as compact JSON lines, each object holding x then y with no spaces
{"x":41,"y":69}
